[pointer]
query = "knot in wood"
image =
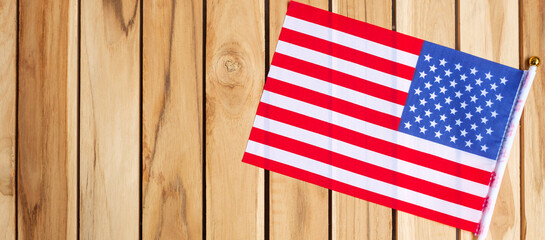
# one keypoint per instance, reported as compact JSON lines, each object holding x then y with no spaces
{"x":231,"y":65}
{"x":229,"y":68}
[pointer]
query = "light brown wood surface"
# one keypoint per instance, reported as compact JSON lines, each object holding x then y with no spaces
{"x":47,"y":120}
{"x":235,"y":63}
{"x":355,"y":218}
{"x":172,"y":97}
{"x":110,"y":120}
{"x":8,"y":83}
{"x":496,"y":34}
{"x":127,"y":119}
{"x":433,"y":21}
{"x":533,"y":123}
{"x":298,"y":210}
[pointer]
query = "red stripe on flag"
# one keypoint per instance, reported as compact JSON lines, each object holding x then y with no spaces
{"x":339,"y":78}
{"x":366,"y":169}
{"x":346,"y":53}
{"x":357,"y":28}
{"x":373,"y":144}
{"x":357,"y":192}
{"x":332,"y":103}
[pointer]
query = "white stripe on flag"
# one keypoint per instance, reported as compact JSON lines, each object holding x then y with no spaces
{"x":350,"y":41}
{"x":336,"y":91}
{"x":379,"y":132}
{"x":344,"y":66}
{"x":374,"y":158}
{"x":363,"y":182}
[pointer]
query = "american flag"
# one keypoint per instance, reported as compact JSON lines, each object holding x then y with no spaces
{"x":383,"y":116}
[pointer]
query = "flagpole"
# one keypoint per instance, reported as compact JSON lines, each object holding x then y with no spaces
{"x":501,"y":164}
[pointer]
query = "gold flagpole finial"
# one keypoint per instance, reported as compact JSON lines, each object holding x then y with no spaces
{"x":534,"y":61}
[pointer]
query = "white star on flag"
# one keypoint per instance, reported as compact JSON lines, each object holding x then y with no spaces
{"x":457,"y":66}
{"x":423,"y":74}
{"x":428,"y":57}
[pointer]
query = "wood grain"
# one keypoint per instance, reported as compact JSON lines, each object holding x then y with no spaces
{"x":181,"y":133}
{"x":8,"y":40}
{"x":496,"y":38}
{"x":433,"y":21}
{"x":533,"y":130}
{"x":110,"y":119}
{"x":298,"y":210}
{"x":354,"y":218}
{"x":172,"y":120}
{"x":235,"y":63}
{"x":47,"y":120}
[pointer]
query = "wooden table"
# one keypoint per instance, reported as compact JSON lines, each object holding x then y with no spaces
{"x":128,"y":119}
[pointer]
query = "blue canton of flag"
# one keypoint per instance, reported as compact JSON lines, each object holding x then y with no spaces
{"x":460,"y":100}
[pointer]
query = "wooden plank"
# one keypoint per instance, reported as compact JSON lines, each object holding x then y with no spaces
{"x":533,"y":131}
{"x":496,"y":38}
{"x":110,"y":120}
{"x":433,"y":21}
{"x":172,"y":120}
{"x":235,"y":63}
{"x":47,"y":120}
{"x":298,"y":210}
{"x":354,"y":218}
{"x":8,"y":39}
